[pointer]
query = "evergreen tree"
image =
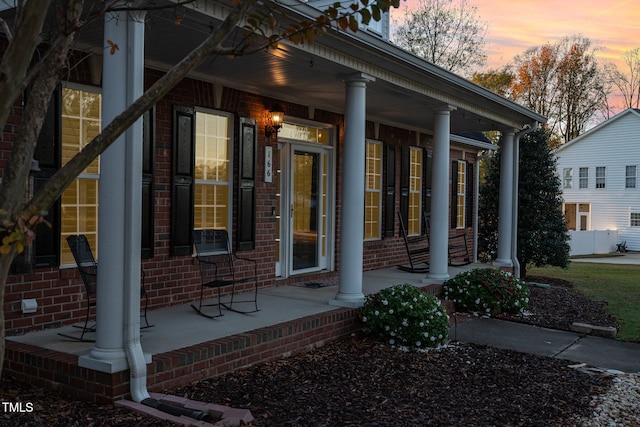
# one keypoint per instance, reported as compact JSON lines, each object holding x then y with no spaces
{"x":542,"y":232}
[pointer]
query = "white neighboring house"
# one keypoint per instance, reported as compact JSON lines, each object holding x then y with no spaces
{"x":599,"y":173}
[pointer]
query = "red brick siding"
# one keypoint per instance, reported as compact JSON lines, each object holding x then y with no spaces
{"x":175,"y":280}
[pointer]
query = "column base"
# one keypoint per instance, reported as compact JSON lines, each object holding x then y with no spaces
{"x":112,"y":362}
{"x":503,"y":263}
{"x":348,"y":300}
{"x":435,"y":278}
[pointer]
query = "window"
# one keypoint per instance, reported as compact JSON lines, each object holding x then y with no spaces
{"x":373,"y":191}
{"x":461,"y":191}
{"x":584,"y":178}
{"x":81,"y":117}
{"x":415,"y":192}
{"x":600,"y":177}
{"x":567,"y":177}
{"x":630,"y":177}
{"x":212,"y":187}
{"x":577,"y":216}
{"x":376,"y":27}
{"x":635,"y":219}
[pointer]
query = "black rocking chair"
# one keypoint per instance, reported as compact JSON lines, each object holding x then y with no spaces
{"x":220,"y":267}
{"x":417,"y":250}
{"x":88,"y":269}
{"x":458,"y":250}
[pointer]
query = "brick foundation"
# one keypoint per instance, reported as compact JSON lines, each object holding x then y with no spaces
{"x":60,"y":371}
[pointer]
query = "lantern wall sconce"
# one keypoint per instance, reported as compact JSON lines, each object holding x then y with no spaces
{"x":273,"y":120}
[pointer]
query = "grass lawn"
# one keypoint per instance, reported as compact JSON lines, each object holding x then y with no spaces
{"x":617,"y":284}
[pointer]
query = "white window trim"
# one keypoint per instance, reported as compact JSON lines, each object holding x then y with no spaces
{"x":603,"y":178}
{"x":634,"y":177}
{"x":582,"y":179}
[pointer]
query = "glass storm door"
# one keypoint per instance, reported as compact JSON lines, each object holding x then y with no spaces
{"x":306,"y":208}
{"x":305,"y":202}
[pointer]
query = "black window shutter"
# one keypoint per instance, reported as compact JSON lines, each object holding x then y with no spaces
{"x":390,"y":190}
{"x":454,"y":193}
{"x":48,"y":155}
{"x":469,"y":195}
{"x":246,"y":233}
{"x":405,"y":169}
{"x":148,"y":160}
{"x":182,"y":180}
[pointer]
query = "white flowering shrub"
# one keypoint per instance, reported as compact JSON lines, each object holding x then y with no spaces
{"x":404,"y":315}
{"x":487,"y":290}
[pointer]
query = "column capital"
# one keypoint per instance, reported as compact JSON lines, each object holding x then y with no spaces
{"x":445,"y":109}
{"x":356,"y":78}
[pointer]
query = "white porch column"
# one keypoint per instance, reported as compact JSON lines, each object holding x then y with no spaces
{"x":505,"y":203}
{"x":119,"y":211}
{"x":353,"y":180}
{"x":439,"y":241}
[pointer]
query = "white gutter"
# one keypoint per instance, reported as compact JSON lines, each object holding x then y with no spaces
{"x":514,"y":225}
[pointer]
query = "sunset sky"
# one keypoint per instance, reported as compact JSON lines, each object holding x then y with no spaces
{"x":613,"y":25}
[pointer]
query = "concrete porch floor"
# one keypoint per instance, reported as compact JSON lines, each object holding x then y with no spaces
{"x":180,"y":326}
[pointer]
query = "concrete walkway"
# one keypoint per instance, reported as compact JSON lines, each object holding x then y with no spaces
{"x":631,"y":258}
{"x":598,"y":352}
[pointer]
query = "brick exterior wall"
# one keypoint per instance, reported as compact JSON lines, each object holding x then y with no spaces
{"x":174,"y":280}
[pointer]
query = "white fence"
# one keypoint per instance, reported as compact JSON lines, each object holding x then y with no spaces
{"x":593,"y":242}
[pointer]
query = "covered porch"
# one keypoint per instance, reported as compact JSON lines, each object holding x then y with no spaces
{"x":183,"y":347}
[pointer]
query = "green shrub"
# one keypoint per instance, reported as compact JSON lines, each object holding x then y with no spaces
{"x":404,"y":315}
{"x":487,"y":290}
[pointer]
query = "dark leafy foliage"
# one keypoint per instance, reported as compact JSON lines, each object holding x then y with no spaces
{"x":542,"y":231}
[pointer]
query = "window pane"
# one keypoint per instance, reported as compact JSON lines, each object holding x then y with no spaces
{"x":600,"y":177}
{"x":211,"y":204}
{"x":79,"y":202}
{"x":461,"y":194}
{"x":567,"y":174}
{"x":415,"y":192}
{"x":584,"y":178}
{"x":212,"y":171}
{"x":630,"y":177}
{"x":373,"y":191}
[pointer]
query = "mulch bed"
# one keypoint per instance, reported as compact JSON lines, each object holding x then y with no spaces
{"x":358,"y":382}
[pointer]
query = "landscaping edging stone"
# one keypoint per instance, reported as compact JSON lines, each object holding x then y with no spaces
{"x":227,"y":417}
{"x":599,"y":331}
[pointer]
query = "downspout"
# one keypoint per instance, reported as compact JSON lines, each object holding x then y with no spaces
{"x":133,"y":177}
{"x":476,"y":199}
{"x":516,"y":172}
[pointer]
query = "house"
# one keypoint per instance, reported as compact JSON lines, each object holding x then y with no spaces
{"x":368,"y":130}
{"x":599,"y":173}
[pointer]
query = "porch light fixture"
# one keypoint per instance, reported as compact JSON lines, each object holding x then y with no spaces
{"x":273,"y":120}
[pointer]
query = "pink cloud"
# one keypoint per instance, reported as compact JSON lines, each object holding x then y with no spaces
{"x":516,"y":26}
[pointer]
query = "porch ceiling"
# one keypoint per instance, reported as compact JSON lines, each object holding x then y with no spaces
{"x":405,"y":92}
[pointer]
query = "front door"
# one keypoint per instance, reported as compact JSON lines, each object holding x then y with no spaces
{"x":306,"y":195}
{"x":306,"y":210}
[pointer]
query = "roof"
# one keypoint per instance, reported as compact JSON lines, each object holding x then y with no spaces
{"x":404,"y":92}
{"x":611,"y":122}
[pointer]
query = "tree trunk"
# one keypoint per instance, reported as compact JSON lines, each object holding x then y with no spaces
{"x":5,"y":265}
{"x":54,"y":187}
